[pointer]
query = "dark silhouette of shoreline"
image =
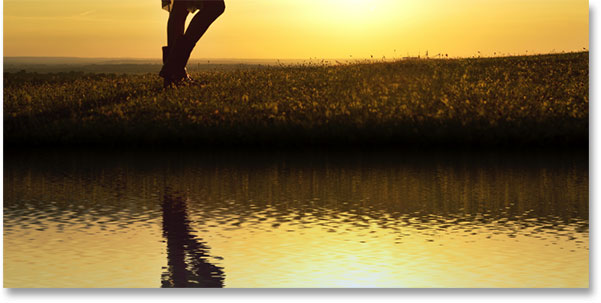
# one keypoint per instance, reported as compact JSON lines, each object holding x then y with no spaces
{"x":467,"y":103}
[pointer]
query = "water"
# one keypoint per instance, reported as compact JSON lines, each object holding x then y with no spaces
{"x":304,"y":219}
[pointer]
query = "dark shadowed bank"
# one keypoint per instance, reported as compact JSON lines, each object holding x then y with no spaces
{"x":528,"y":101}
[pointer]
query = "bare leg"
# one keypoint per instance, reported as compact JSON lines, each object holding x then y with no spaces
{"x":177,"y":22}
{"x":174,"y":69}
{"x":210,"y":11}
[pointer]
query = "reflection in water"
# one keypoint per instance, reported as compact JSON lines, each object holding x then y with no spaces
{"x":187,"y":265}
{"x":311,"y":219}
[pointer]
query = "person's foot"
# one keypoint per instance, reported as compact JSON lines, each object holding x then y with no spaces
{"x":183,"y":80}
{"x":169,"y":82}
{"x":191,"y":81}
{"x":172,"y":79}
{"x":187,"y":78}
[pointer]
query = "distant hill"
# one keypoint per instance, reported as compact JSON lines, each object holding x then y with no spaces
{"x":125,"y":65}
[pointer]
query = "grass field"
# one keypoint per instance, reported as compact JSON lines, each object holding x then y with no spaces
{"x":530,"y":100}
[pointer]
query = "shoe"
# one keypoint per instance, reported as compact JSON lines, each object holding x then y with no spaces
{"x":166,"y":50}
{"x":175,"y":60}
{"x":168,"y":80}
{"x":184,"y":81}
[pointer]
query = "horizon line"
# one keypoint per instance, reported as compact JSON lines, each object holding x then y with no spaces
{"x":313,"y":58}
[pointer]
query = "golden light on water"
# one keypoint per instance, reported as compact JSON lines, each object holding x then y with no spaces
{"x":260,"y":255}
{"x":93,"y":259}
{"x":322,"y":257}
{"x":301,"y":28}
{"x":490,"y":222}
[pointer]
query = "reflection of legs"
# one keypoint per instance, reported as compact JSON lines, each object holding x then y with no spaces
{"x":176,"y":260}
{"x":174,"y":69}
{"x":175,"y":231}
{"x":187,"y":255}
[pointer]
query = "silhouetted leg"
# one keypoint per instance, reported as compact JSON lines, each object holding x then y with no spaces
{"x":210,"y":11}
{"x":177,"y":22}
{"x":174,"y":69}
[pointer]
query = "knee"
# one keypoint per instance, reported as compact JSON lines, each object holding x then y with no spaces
{"x":216,"y":7}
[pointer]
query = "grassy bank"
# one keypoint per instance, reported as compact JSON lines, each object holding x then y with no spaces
{"x":533,"y":100}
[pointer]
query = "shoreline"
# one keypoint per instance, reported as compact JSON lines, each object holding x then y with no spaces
{"x":507,"y":103}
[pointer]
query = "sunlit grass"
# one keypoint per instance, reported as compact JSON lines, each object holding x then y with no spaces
{"x":492,"y":101}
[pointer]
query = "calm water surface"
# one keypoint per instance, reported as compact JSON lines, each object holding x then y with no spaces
{"x":302,"y":219}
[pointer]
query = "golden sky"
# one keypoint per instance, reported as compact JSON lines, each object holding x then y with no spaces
{"x":301,"y":29}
